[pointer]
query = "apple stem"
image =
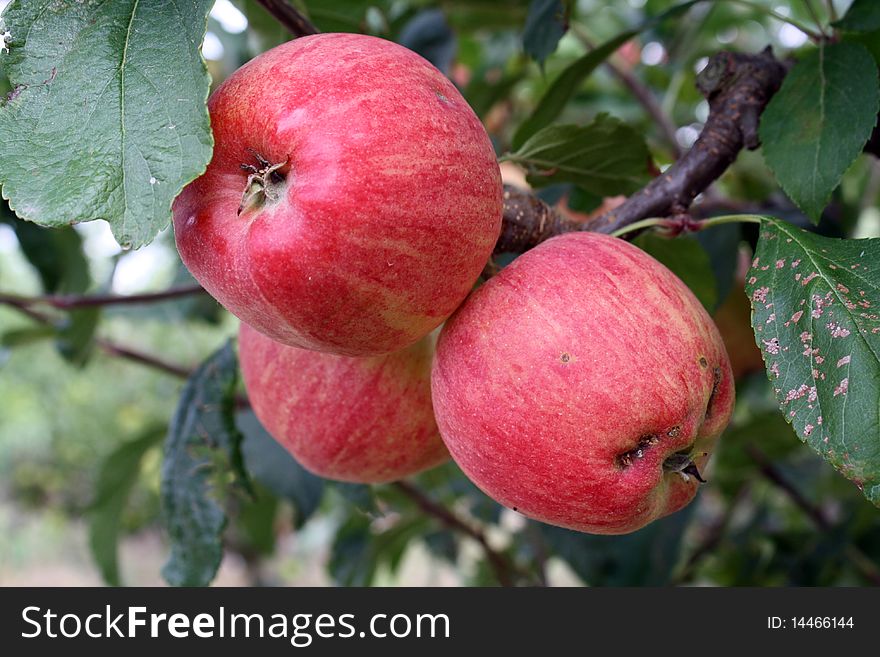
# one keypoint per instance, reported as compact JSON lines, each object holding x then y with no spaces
{"x":683,"y":464}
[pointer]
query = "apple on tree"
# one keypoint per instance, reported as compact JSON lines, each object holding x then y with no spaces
{"x":352,"y":200}
{"x":364,"y":420}
{"x":583,"y":386}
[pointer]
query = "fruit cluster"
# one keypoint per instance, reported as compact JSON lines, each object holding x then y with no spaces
{"x":351,"y":204}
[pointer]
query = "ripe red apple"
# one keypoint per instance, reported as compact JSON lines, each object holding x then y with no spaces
{"x":352,"y":200}
{"x":583,"y":386}
{"x":365,"y":420}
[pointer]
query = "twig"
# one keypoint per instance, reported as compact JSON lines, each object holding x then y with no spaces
{"x":863,"y":563}
{"x":109,"y":347}
{"x":127,"y":353}
{"x":73,"y":301}
{"x":738,"y":87}
{"x":289,"y":17}
{"x":639,"y":90}
{"x":815,"y":36}
{"x":500,"y":564}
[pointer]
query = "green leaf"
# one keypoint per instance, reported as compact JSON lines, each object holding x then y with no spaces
{"x":869,"y":40}
{"x":686,"y":258}
{"x":564,"y":86}
{"x":273,"y":466}
{"x":202,"y":461}
{"x":482,"y":94}
{"x":606,"y":157}
{"x":817,"y":123}
{"x":816,"y":316}
{"x":107,"y":117}
{"x":25,"y":336}
{"x":721,"y":244}
{"x":487,"y":14}
{"x":428,"y":34}
{"x":340,"y":15}
{"x":442,"y":544}
{"x":647,"y":557}
{"x":57,"y":255}
{"x":256,"y":522}
{"x":733,"y":466}
{"x":862,"y":16}
{"x":76,"y":335}
{"x":358,"y":551}
{"x":116,"y":478}
{"x":546,"y":22}
{"x":352,"y":562}
{"x":359,"y":496}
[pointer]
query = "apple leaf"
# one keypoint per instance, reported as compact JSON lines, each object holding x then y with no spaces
{"x":107,"y":116}
{"x":340,"y":15}
{"x":564,"y":86}
{"x":57,"y":255}
{"x":428,"y":34}
{"x":202,"y":454}
{"x":606,"y":157}
{"x":272,"y":466}
{"x":546,"y":22}
{"x":862,"y":16}
{"x":686,"y":258}
{"x":644,"y":558}
{"x":816,"y":316}
{"x":817,"y":123}
{"x":117,"y":476}
{"x":358,"y":552}
{"x":76,"y":335}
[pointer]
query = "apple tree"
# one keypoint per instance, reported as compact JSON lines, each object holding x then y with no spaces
{"x":716,"y":158}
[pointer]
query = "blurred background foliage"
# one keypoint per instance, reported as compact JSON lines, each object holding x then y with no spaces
{"x":81,"y":428}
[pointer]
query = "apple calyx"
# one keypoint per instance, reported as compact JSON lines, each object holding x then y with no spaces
{"x":683,"y":463}
{"x":263,"y":183}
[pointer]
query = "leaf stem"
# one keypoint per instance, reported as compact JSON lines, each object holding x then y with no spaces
{"x":641,"y":225}
{"x":730,"y":219}
{"x":815,"y":36}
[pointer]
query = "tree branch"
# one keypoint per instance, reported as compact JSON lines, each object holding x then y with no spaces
{"x":502,"y":567}
{"x":289,"y":17}
{"x":73,"y":301}
{"x":738,"y":87}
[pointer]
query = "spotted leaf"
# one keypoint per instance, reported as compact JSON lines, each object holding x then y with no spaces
{"x":816,"y":317}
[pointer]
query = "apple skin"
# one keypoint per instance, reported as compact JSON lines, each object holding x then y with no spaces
{"x":364,"y":420}
{"x":551,"y":375}
{"x":389,"y":208}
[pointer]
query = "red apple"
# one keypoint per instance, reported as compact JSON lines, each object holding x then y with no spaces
{"x":583,"y":386}
{"x":352,"y":200}
{"x":365,"y":420}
